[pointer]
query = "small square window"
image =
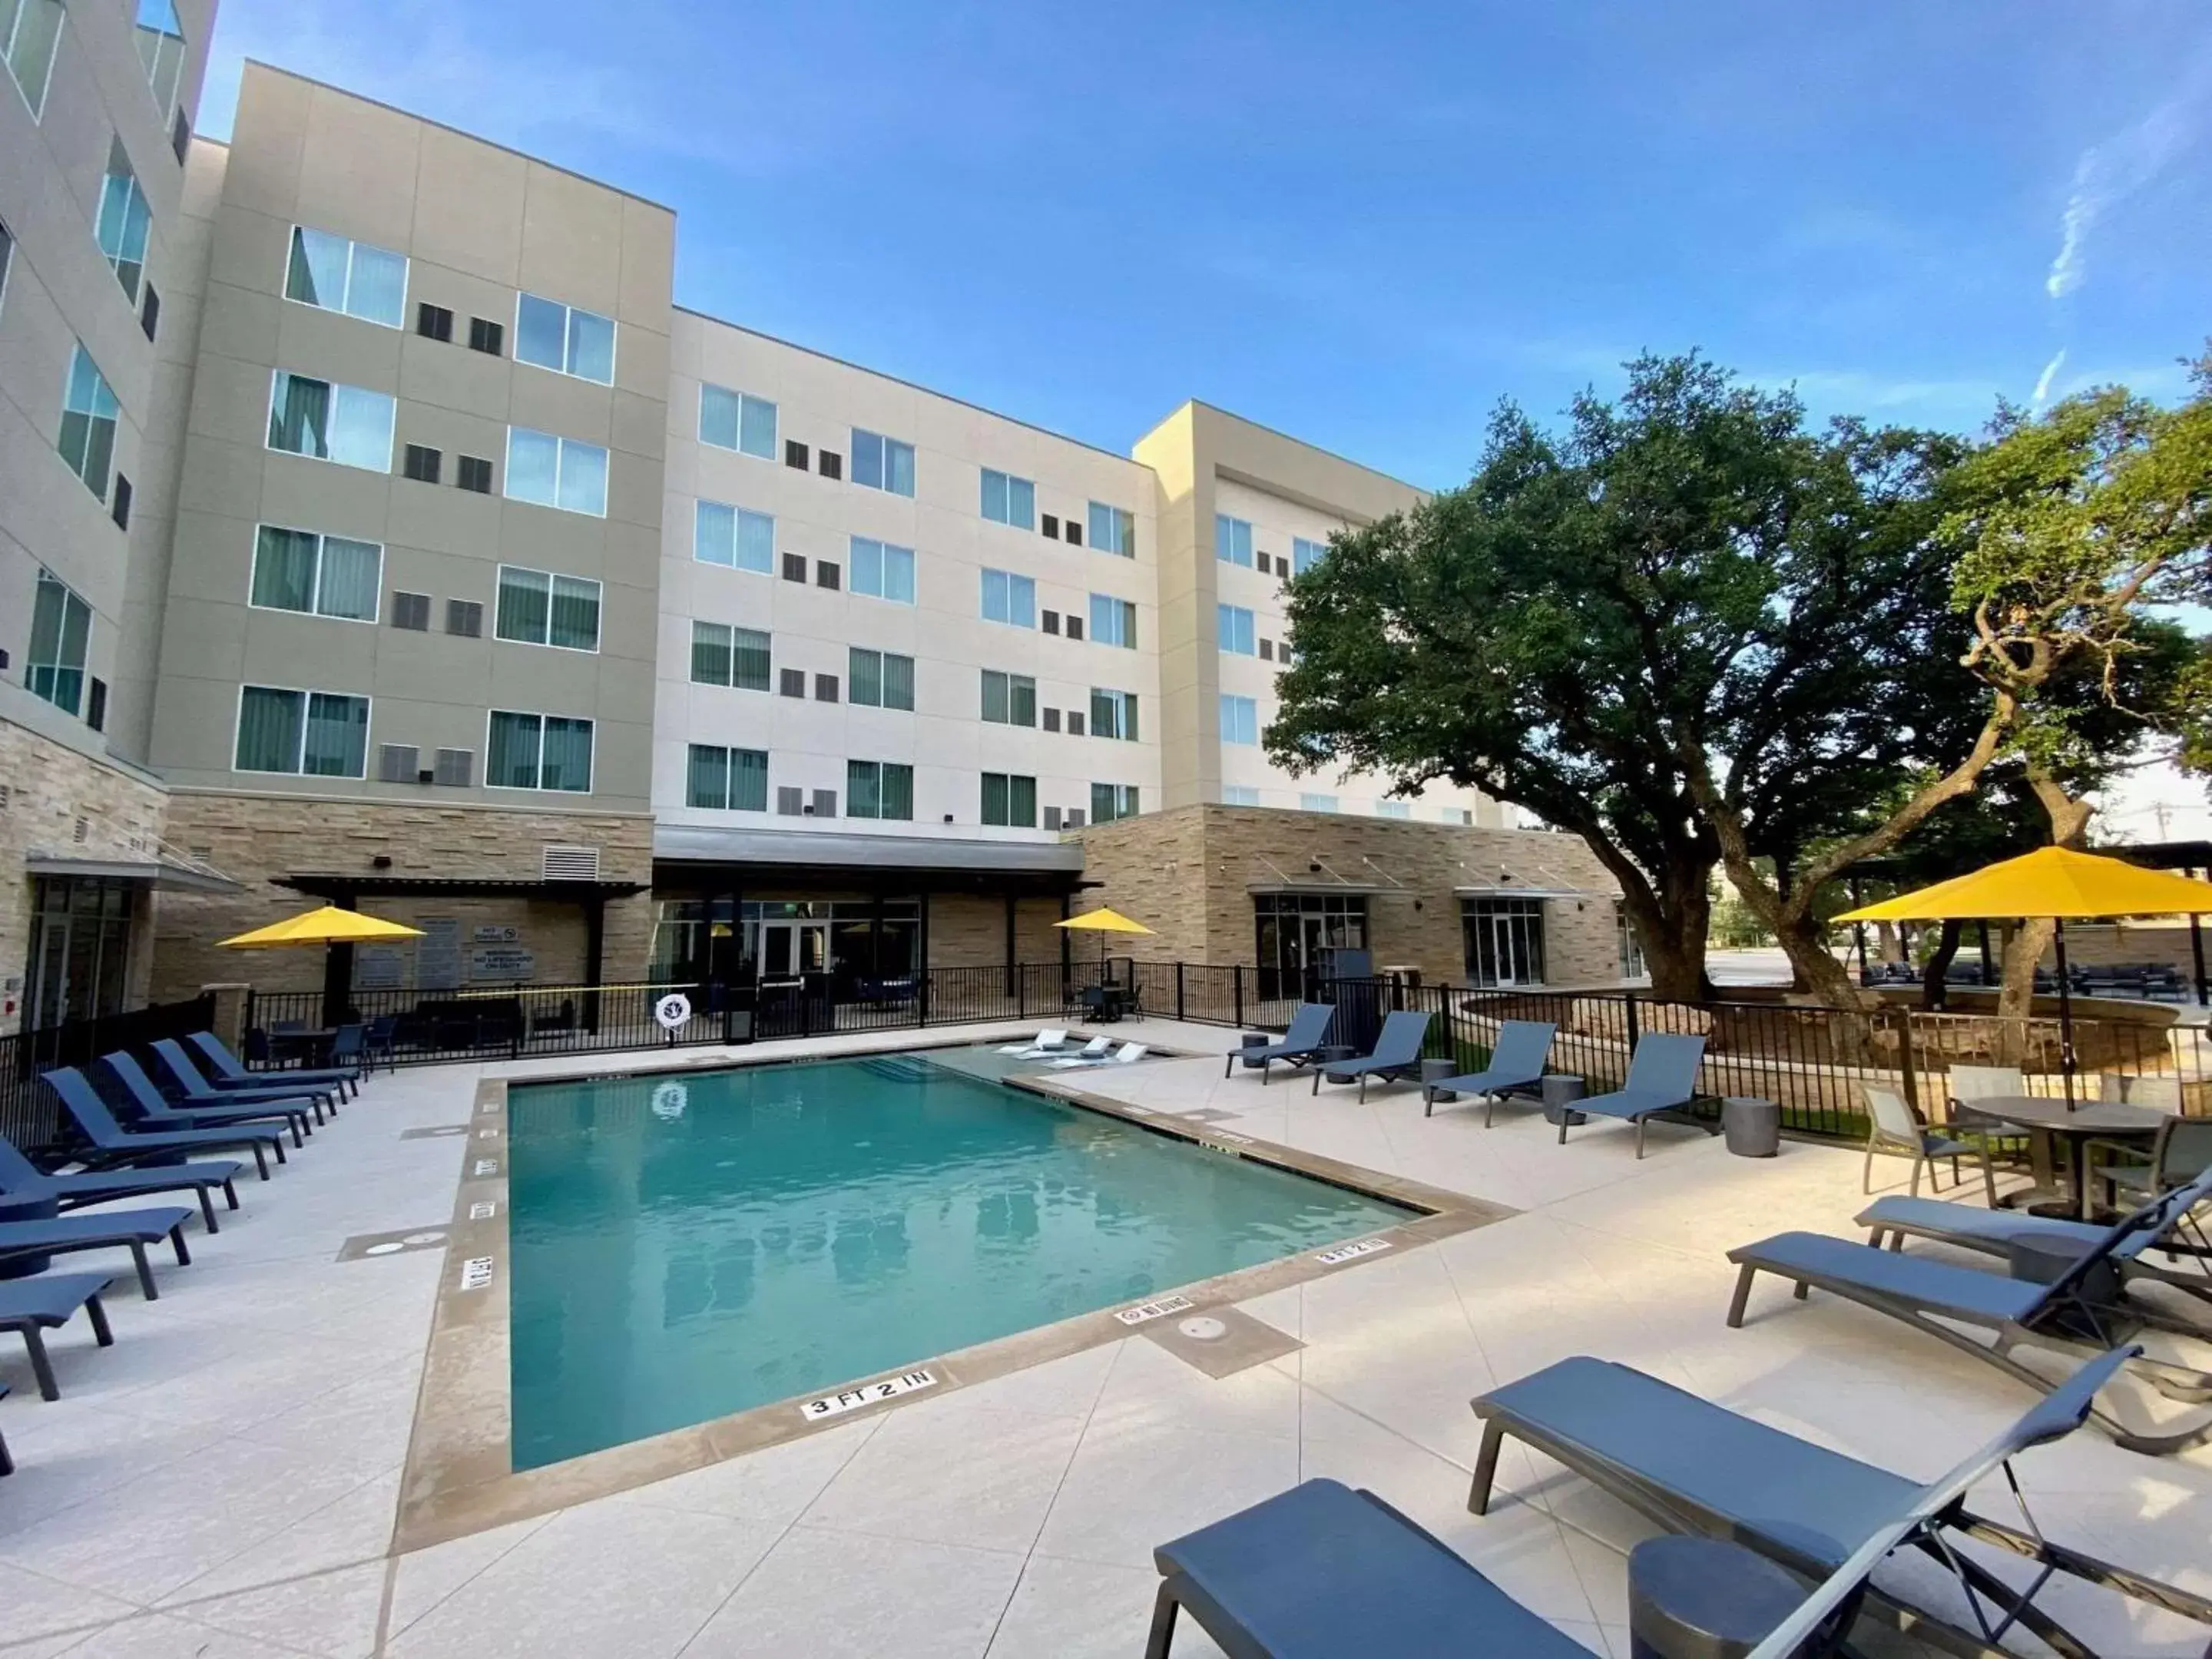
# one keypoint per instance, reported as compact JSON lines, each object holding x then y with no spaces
{"x":1075,"y":722}
{"x":1074,"y":627}
{"x":1074,"y":533}
{"x":794,"y":567}
{"x":792,"y":682}
{"x":422,"y":464}
{"x":487,"y":336}
{"x":472,"y":472}
{"x":829,"y":574}
{"x":1050,"y":524}
{"x":434,"y":322}
{"x":120,"y":510}
{"x":831,"y":463}
{"x":794,"y":454}
{"x":1052,"y":622}
{"x":150,"y":313}
{"x":825,"y":688}
{"x":1052,"y":719}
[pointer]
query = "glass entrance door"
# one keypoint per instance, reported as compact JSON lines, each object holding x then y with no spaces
{"x":790,"y":950}
{"x":80,"y":951}
{"x":1505,"y":941}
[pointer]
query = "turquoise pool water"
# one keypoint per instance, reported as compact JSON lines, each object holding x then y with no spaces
{"x":683,"y":1248}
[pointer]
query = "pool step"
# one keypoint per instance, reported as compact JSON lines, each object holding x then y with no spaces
{"x":900,"y":1068}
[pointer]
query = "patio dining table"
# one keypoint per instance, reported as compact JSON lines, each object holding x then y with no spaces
{"x":2049,"y":1119}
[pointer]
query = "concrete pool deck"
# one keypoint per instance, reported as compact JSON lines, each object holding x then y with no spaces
{"x":225,"y":1481}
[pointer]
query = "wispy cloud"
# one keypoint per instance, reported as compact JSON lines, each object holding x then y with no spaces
{"x":2109,"y":171}
{"x":2050,"y":372}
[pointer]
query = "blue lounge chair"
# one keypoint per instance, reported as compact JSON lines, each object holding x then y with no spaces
{"x":195,"y":1093}
{"x":112,"y":1144}
{"x":20,"y":1177}
{"x":148,"y":1106}
{"x":1397,"y":1055}
{"x":132,"y":1230}
{"x":1689,"y":1466}
{"x":32,"y":1307}
{"x":1301,"y":1045}
{"x":2085,"y":1309}
{"x":1662,"y":1077}
{"x":225,"y":1070}
{"x":1516,"y":1061}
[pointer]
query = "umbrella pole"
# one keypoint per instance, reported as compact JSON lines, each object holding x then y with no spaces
{"x":2065,"y":1013}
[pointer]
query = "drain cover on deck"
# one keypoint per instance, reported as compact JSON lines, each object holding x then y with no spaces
{"x":1221,"y":1340}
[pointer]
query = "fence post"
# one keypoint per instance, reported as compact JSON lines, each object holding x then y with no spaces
{"x":1237,"y":984}
{"x":921,"y":996}
{"x":1629,"y":998}
{"x":1178,"y":987}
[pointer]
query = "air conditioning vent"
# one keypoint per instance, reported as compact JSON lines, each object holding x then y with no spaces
{"x":410,"y":612}
{"x":397,"y":762}
{"x":456,"y":769}
{"x":825,"y":803}
{"x":1052,"y":817}
{"x":790,"y":803}
{"x":570,"y":863}
{"x":465,"y":617}
{"x":1074,"y":820}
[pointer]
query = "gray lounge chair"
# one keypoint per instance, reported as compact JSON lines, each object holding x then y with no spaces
{"x":2086,"y":1309}
{"x":112,"y":1144}
{"x":32,"y":1307}
{"x":1662,"y":1077}
{"x":226,"y":1071}
{"x":1397,"y":1055}
{"x":1516,"y":1061}
{"x":152,"y":1107}
{"x":132,"y":1230}
{"x":1691,"y":1467}
{"x":195,"y":1093}
{"x":1300,"y":1046}
{"x":20,"y":1177}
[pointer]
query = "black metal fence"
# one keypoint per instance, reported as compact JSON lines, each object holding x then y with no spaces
{"x":30,"y":1115}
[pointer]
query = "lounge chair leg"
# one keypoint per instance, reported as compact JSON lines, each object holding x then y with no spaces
{"x":261,"y":1160}
{"x":1743,"y":1295}
{"x":1486,"y":1468}
{"x":207,"y":1211}
{"x":1802,"y":1290}
{"x":1866,"y":1175}
{"x":1913,"y":1189}
{"x":230,"y":1192}
{"x":1565,"y":1112}
{"x":97,"y":1313}
{"x":1164,"y":1621}
{"x":279,"y":1145}
{"x":1317,"y":1088}
{"x":1362,"y":1088}
{"x":147,"y":1287}
{"x":1639,"y":1139}
{"x":41,"y":1367}
{"x":1990,"y":1178}
{"x":176,"y":1243}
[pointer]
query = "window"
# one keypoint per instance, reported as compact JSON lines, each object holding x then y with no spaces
{"x":735,"y":657}
{"x":1009,"y":699}
{"x":1239,"y":794}
{"x":315,"y":574}
{"x":1009,"y":500}
{"x":123,"y":221}
{"x":1113,"y":622}
{"x":794,"y":568}
{"x":879,"y":679}
{"x":316,"y":734}
{"x":1317,"y":804}
{"x":1504,"y":940}
{"x":345,"y":424}
{"x":472,"y":472}
{"x":1632,"y":964}
{"x":1109,"y":801}
{"x":730,"y":536}
{"x":832,"y":464}
{"x":1393,"y":809}
{"x":1112,"y":530}
{"x":337,"y":274}
{"x":1295,"y":929}
{"x":1232,"y":540}
{"x":89,"y":412}
{"x":879,"y":789}
{"x":556,"y":472}
{"x":882,"y":571}
{"x":1009,"y":598}
{"x":1233,"y":629}
{"x":487,"y":336}
{"x":794,"y":454}
{"x":1052,"y":622}
{"x":161,"y":49}
{"x":1305,"y":555}
{"x":567,"y":339}
{"x":1074,"y":532}
{"x":1009,"y":802}
{"x":827,"y":574}
{"x":536,"y":607}
{"x":28,"y":32}
{"x":882,"y":463}
{"x":1051,"y":526}
{"x":538,"y":751}
{"x":727,"y":780}
{"x":1114,"y":714}
{"x":1240,"y":719}
{"x":422,"y":463}
{"x":61,"y":640}
{"x":434,"y":322}
{"x":730,"y":420}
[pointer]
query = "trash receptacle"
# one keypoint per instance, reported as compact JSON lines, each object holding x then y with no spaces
{"x":1753,"y":1126}
{"x":1560,"y":1088}
{"x":1435,"y":1071}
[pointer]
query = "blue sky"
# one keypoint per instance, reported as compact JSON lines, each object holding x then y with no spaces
{"x":1363,"y":224}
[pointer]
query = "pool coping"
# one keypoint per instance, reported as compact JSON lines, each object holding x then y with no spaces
{"x":459,"y":1477}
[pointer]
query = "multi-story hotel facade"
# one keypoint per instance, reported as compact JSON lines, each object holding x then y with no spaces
{"x":376,"y":526}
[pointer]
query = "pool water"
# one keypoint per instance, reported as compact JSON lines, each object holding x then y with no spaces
{"x":683,"y":1248}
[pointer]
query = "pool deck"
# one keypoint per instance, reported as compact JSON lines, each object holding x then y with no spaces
{"x":225,"y":1481}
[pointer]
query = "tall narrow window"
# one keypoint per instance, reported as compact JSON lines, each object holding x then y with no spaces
{"x":567,"y":339}
{"x":882,"y":571}
{"x":311,"y":733}
{"x":28,"y":32}
{"x":536,"y":607}
{"x":1009,"y":598}
{"x":161,"y":48}
{"x":318,"y":575}
{"x":1240,"y":719}
{"x":735,"y":420}
{"x":726,"y":535}
{"x":61,"y":640}
{"x":124,"y":220}
{"x":882,"y":463}
{"x":335,"y":273}
{"x":1113,"y":530}
{"x":1113,"y":622}
{"x":89,"y":412}
{"x":347,"y":424}
{"x":564,"y":473}
{"x":1232,"y":540}
{"x":1234,"y":629}
{"x":1009,"y":500}
{"x":538,"y":751}
{"x":1114,"y":714}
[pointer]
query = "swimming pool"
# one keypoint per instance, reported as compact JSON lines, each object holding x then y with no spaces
{"x":683,"y":1248}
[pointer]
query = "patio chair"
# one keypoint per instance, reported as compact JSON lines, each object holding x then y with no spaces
{"x":224,"y":1070}
{"x":2085,"y":1309}
{"x":2181,"y":1153}
{"x":1300,"y":1046}
{"x":20,"y":1177}
{"x":1691,"y":1467}
{"x":32,"y":1307}
{"x":112,"y":1144}
{"x":1397,"y":1055}
{"x":1128,"y":1054}
{"x":1516,"y":1061}
{"x":133,"y":1231}
{"x":1892,"y":1127}
{"x":147,"y":1104}
{"x":1662,"y":1077}
{"x":1051,"y":1040}
{"x":198,"y":1094}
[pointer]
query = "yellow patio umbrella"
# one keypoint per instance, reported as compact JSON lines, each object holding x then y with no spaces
{"x":328,"y":925}
{"x":1103,"y":921}
{"x":2057,"y":883}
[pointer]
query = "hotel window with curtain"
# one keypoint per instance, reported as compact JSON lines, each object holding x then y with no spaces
{"x":125,"y":220}
{"x":1009,"y":500}
{"x":61,"y":640}
{"x":737,"y":421}
{"x":315,"y":574}
{"x":29,"y":30}
{"x":321,"y":734}
{"x":879,"y":789}
{"x":725,"y":655}
{"x":536,"y":607}
{"x":882,"y":571}
{"x":345,"y":424}
{"x":563,"y":473}
{"x":733,"y":537}
{"x":879,"y":679}
{"x":538,"y":751}
{"x":567,"y":339}
{"x":89,"y":414}
{"x":727,"y":780}
{"x":334,"y":273}
{"x":161,"y":40}
{"x":1113,"y":530}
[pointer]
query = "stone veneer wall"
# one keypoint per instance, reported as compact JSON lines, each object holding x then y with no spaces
{"x":1189,"y":874}
{"x":970,"y":931}
{"x":255,"y":838}
{"x":53,"y":792}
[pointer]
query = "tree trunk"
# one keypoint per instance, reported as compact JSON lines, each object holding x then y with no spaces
{"x":1887,"y":944}
{"x":1670,"y":919}
{"x":2070,"y":827}
{"x":2016,"y":1002}
{"x":1933,"y":982}
{"x":1816,"y":969}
